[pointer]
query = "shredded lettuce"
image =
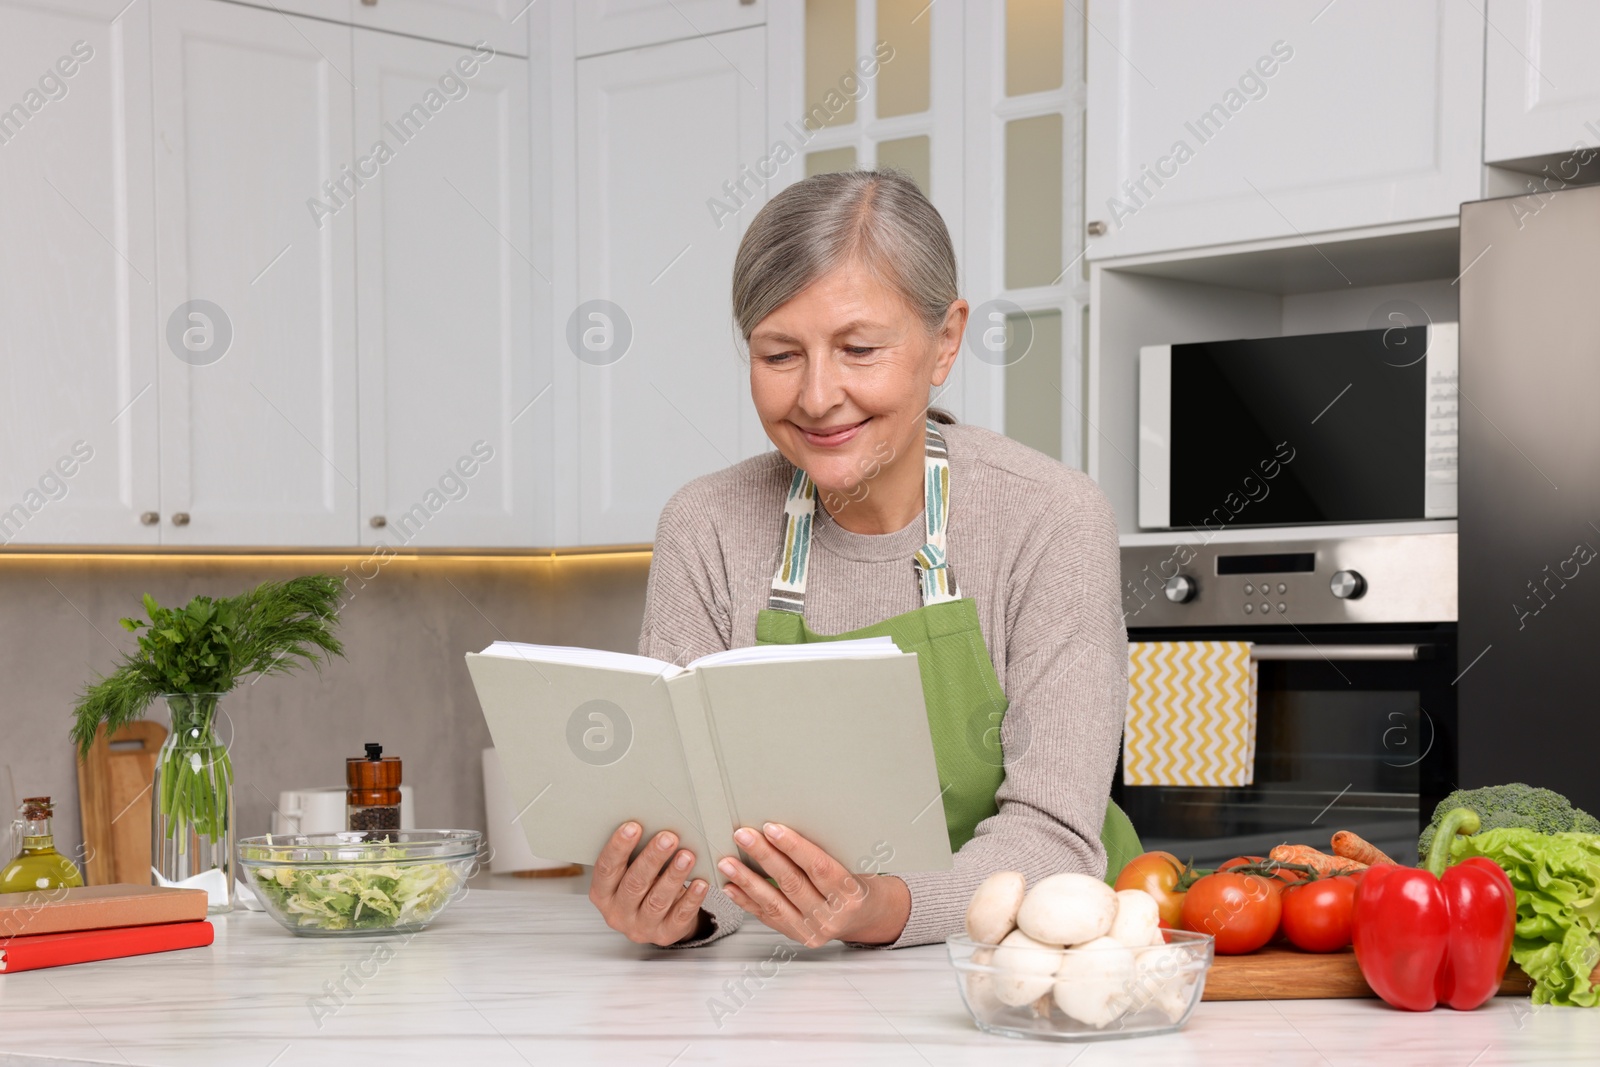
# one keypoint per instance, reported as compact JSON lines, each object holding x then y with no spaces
{"x":1557,"y":879}
{"x":360,"y":896}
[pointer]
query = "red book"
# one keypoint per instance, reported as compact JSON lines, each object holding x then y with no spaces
{"x":92,"y":907}
{"x":55,"y":950}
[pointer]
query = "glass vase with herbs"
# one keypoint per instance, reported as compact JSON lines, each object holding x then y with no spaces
{"x":190,"y":658}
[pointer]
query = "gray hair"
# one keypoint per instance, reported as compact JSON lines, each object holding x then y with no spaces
{"x":876,"y":217}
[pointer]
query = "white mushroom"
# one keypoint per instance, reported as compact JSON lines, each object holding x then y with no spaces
{"x":1163,"y":980}
{"x":1027,"y":969}
{"x":1067,"y":909}
{"x":1095,"y":983}
{"x":992,"y":913}
{"x":980,"y":985}
{"x":1138,"y":920}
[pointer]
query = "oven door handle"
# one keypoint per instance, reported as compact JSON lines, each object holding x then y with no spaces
{"x":1364,"y":653}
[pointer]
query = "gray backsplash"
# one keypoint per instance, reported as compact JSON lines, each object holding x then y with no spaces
{"x":403,"y":681}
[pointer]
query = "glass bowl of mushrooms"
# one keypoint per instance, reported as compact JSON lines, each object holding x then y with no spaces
{"x":1073,"y":960}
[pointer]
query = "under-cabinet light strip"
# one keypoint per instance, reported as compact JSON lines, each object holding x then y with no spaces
{"x":267,"y":556}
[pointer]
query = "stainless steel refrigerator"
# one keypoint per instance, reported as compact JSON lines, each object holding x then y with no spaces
{"x":1529,"y":655}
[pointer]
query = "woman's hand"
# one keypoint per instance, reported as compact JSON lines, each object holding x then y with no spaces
{"x":816,"y":898}
{"x":646,"y":900}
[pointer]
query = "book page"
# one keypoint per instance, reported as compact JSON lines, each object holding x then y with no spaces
{"x":582,"y":657}
{"x":821,"y":650}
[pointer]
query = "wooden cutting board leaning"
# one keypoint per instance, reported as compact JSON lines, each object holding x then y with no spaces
{"x":114,"y":799}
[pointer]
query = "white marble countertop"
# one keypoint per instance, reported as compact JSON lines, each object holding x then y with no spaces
{"x":524,"y":978}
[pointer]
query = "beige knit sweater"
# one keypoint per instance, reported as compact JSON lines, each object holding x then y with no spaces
{"x":1032,"y":541}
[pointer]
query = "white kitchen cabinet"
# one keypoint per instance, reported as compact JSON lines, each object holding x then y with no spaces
{"x":330,"y":10}
{"x":1541,"y":84}
{"x":1217,"y":124}
{"x":252,"y":114}
{"x":612,"y":25}
{"x":501,"y":24}
{"x":658,"y":390}
{"x":447,"y":380}
{"x":78,"y":402}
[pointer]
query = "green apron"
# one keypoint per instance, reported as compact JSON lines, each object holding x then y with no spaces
{"x":964,"y":700}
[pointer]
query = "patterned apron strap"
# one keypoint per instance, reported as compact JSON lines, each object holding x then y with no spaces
{"x":788,"y":591}
{"x":932,"y":560}
{"x":789,"y":582}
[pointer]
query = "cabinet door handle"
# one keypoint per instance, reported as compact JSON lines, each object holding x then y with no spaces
{"x":1096,"y":228}
{"x":180,"y":518}
{"x":150,"y":518}
{"x":377,"y":522}
{"x":369,"y":3}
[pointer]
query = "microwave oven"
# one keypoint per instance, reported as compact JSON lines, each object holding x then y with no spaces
{"x":1350,"y":427}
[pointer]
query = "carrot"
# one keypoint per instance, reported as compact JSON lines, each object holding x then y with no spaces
{"x":1353,"y":847}
{"x":1320,"y":862}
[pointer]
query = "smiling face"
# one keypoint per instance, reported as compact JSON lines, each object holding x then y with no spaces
{"x":840,"y":376}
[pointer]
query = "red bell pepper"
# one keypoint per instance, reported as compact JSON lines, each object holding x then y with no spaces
{"x":1429,"y":935}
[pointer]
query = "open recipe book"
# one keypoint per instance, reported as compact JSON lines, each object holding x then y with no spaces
{"x":830,"y":739}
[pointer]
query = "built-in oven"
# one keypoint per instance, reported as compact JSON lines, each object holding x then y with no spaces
{"x":1354,"y":645}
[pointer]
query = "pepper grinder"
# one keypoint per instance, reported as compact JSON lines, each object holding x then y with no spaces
{"x":372,"y":793}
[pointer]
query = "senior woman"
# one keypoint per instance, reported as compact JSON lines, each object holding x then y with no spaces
{"x":880,"y":516}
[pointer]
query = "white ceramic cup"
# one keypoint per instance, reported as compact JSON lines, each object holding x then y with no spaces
{"x":321,"y":810}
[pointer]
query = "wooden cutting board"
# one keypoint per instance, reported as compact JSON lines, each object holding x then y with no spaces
{"x":1276,"y":973}
{"x":114,"y":803}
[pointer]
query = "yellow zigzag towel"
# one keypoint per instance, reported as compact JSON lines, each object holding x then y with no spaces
{"x":1191,"y":713}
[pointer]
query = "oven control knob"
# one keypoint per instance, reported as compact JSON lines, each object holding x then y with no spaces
{"x":1347,"y":585}
{"x":1180,"y":588}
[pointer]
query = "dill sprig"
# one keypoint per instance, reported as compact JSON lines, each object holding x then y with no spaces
{"x":207,"y":645}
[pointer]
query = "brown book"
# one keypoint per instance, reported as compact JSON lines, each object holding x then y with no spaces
{"x":96,"y":907}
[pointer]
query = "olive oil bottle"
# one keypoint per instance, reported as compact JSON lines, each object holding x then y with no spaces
{"x":38,"y":865}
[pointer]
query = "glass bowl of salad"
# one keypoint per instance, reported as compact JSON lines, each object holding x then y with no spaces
{"x":358,"y":882}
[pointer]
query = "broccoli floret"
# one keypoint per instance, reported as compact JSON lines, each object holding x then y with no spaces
{"x":1514,"y":805}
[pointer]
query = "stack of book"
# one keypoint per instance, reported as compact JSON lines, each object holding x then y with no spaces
{"x":53,"y":927}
